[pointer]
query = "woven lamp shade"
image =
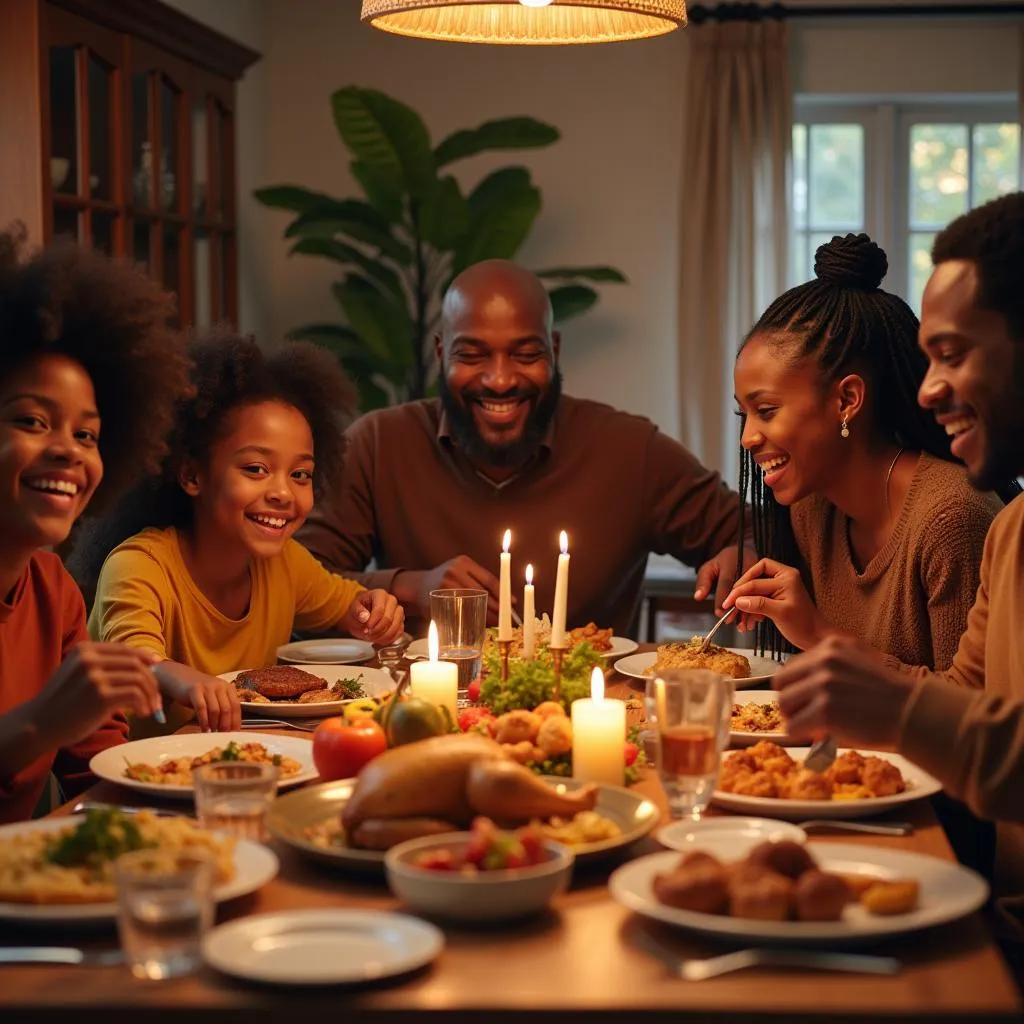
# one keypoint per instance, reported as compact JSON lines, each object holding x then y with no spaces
{"x":512,"y":22}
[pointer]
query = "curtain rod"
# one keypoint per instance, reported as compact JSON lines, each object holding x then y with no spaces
{"x":699,"y":13}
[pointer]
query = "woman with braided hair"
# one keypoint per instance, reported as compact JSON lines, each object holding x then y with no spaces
{"x":864,"y":523}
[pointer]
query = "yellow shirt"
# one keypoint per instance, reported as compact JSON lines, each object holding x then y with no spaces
{"x":146,"y":597}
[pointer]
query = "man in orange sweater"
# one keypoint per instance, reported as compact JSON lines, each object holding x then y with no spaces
{"x":966,"y":727}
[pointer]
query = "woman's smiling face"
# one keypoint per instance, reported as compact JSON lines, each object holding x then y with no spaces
{"x":792,"y":417}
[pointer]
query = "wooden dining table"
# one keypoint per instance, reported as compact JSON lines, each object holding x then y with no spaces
{"x":587,"y":957}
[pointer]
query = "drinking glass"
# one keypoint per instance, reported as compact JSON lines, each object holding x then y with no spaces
{"x":693,"y":711}
{"x":461,"y":620}
{"x":234,"y":796}
{"x":164,"y":906}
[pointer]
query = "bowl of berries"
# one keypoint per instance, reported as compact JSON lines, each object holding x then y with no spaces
{"x":486,"y":874}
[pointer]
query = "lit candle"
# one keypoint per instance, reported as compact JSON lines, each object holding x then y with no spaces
{"x":561,"y":594}
{"x":505,"y":590}
{"x":436,"y":681}
{"x":598,"y":736}
{"x":529,"y":617}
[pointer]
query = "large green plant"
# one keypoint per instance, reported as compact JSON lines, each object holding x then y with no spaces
{"x":400,"y":246}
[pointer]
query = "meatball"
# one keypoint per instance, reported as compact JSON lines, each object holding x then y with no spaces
{"x":703,"y":889}
{"x":785,"y":857}
{"x":882,"y":777}
{"x":820,"y":896}
{"x":807,"y":785}
{"x":760,"y":894}
{"x":700,"y":859}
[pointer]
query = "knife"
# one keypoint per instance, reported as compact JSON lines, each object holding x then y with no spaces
{"x":59,"y":955}
{"x":821,"y":755}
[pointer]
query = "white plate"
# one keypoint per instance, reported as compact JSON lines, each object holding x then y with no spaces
{"x":110,"y":764}
{"x":322,"y":947}
{"x":727,"y":838}
{"x":621,"y":645}
{"x":329,"y":651}
{"x":919,"y":785}
{"x":748,"y":739}
{"x":762,"y":669}
{"x":255,"y":865}
{"x":375,"y":683}
{"x":948,"y":892}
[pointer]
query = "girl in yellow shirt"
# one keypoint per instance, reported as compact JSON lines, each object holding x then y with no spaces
{"x":210,"y":578}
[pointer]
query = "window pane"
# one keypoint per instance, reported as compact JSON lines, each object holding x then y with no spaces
{"x":142,"y":142}
{"x":202,"y":315}
{"x":920,"y":266}
{"x":996,"y":169}
{"x":168,"y":147}
{"x":65,"y":223}
{"x":100,"y":112}
{"x":938,"y":174}
{"x":199,"y":158}
{"x":836,"y":176}
{"x":799,"y":202}
{"x":140,"y":241}
{"x":103,"y":231}
{"x":63,"y":119}
{"x":171,"y":257}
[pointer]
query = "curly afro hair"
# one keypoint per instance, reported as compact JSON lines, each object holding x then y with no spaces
{"x":116,"y":323}
{"x":229,"y":372}
{"x":992,"y":237}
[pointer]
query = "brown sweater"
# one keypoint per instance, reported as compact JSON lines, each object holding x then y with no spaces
{"x":971,"y":735}
{"x":39,"y":625}
{"x":911,"y":601}
{"x":619,"y":487}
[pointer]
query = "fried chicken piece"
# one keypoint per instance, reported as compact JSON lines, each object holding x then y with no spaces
{"x":250,"y":696}
{"x":280,"y":682}
{"x":741,"y":759}
{"x":761,"y":894}
{"x":846,"y":768}
{"x":318,"y":696}
{"x":703,"y":888}
{"x":770,"y":757}
{"x":690,"y":655}
{"x":757,"y":784}
{"x":883,"y":778}
{"x":591,"y":633}
{"x":807,"y":785}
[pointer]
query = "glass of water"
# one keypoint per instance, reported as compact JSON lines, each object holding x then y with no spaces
{"x":234,"y":796}
{"x":693,"y":709}
{"x":164,"y":906}
{"x":461,"y":620}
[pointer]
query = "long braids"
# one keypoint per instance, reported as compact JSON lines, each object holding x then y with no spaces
{"x":845,"y":320}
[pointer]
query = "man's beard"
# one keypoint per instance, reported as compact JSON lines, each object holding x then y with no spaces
{"x":514,"y":453}
{"x":1004,"y":459}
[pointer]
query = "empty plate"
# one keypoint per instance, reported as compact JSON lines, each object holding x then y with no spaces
{"x":322,"y":947}
{"x":329,"y":651}
{"x":727,"y":838}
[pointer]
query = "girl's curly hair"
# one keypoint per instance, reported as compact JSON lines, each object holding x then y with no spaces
{"x":115,"y":322}
{"x":229,"y":372}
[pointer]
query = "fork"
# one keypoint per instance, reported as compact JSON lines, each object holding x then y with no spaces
{"x":59,"y":955}
{"x":715,"y":628}
{"x":302,"y":724}
{"x":882,"y":828}
{"x":701,"y":970}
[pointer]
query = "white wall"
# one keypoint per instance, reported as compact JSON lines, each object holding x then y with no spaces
{"x":246,"y":21}
{"x":611,"y":186}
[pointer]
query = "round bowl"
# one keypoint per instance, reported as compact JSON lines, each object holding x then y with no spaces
{"x":482,"y":896}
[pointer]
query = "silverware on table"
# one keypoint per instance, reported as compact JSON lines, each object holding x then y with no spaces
{"x":302,"y":724}
{"x":59,"y":955}
{"x":715,"y":628}
{"x":93,"y":805}
{"x":879,"y":828}
{"x":821,"y":960}
{"x":821,"y":755}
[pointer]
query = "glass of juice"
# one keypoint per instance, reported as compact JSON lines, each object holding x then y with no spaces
{"x":693,"y":711}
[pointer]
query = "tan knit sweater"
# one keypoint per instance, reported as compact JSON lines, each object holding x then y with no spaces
{"x":911,"y":601}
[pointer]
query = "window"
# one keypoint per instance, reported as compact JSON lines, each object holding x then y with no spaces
{"x":900,"y":173}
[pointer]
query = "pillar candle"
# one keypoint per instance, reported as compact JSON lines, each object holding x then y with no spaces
{"x":598,"y":736}
{"x":436,"y":681}
{"x":561,"y":594}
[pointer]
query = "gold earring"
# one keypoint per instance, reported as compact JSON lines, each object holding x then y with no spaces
{"x":845,"y":431}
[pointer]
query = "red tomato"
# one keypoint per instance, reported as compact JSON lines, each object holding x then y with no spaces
{"x":340,"y":749}
{"x":470,"y":718}
{"x":632,"y":753}
{"x":473,"y":691}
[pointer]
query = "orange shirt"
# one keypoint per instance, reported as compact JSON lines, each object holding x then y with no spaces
{"x":39,"y":625}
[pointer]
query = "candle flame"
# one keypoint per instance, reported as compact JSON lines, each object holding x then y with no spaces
{"x":506,"y":541}
{"x":563,"y":539}
{"x":433,"y":645}
{"x":597,"y":684}
{"x":529,"y":575}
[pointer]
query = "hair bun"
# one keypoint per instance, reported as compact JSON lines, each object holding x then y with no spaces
{"x":851,"y":261}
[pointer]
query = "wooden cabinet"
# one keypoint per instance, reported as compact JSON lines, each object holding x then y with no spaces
{"x":118,"y":125}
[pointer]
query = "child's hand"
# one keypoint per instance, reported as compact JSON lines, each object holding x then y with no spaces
{"x":376,"y":615}
{"x":214,"y":700}
{"x":93,"y":682}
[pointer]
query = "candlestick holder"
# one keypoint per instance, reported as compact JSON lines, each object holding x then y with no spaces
{"x":504,"y":647}
{"x":557,"y":654}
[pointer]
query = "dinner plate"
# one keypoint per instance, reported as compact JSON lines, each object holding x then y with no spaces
{"x":621,"y":645}
{"x":919,"y":785}
{"x":948,"y":892}
{"x":322,"y":947}
{"x":290,"y":816}
{"x":255,"y":865}
{"x":110,"y":764}
{"x":762,"y":669}
{"x":726,"y":837}
{"x":375,"y":682}
{"x":327,"y":651}
{"x":739,"y":738}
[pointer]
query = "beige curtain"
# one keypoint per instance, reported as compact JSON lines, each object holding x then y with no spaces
{"x":734,"y":217}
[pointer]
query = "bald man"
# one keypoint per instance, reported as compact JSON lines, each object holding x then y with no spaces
{"x":431,"y":486}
